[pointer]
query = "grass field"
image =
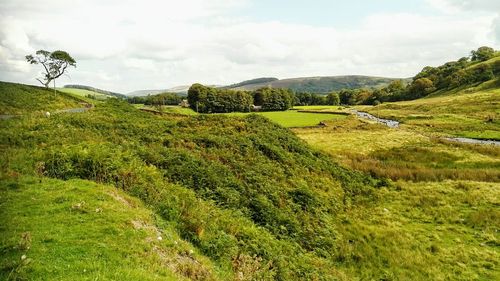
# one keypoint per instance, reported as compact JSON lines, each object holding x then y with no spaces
{"x":403,"y":153}
{"x":292,"y":118}
{"x":441,"y":213}
{"x":80,"y":230}
{"x":473,"y":112}
{"x":18,"y":99}
{"x":288,"y":119}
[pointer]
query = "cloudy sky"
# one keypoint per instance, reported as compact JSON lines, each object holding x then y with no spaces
{"x":124,"y":45}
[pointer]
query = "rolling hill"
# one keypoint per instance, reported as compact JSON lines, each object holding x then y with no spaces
{"x":316,"y":84}
{"x":92,"y":90}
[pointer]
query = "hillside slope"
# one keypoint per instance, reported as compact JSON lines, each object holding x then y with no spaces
{"x":467,"y":112}
{"x":79,"y":230}
{"x":95,"y":90}
{"x":24,"y":99}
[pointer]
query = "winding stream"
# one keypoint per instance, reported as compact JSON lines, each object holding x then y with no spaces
{"x":395,"y":124}
{"x":474,"y":141}
{"x":389,"y":123}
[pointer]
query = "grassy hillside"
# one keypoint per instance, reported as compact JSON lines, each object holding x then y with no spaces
{"x":18,"y":99}
{"x":320,"y":84}
{"x":252,"y":200}
{"x":403,"y":153}
{"x":470,"y":112}
{"x":79,"y":230}
{"x":95,"y":90}
{"x":84,"y":93}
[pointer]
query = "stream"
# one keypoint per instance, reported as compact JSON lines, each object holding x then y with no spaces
{"x":395,"y":124}
{"x":389,"y":123}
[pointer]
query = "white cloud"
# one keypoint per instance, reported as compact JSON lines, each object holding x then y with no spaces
{"x":466,"y":5}
{"x":127,"y":45}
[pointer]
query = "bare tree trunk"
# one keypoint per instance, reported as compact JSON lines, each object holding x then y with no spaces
{"x":54,"y":87}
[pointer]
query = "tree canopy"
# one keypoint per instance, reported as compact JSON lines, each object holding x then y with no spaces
{"x":54,"y":64}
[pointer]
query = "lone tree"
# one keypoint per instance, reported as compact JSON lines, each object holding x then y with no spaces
{"x":55,"y":64}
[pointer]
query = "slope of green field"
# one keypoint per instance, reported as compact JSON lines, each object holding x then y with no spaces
{"x":18,"y":99}
{"x":84,"y":93}
{"x":471,"y":112}
{"x":79,"y":230}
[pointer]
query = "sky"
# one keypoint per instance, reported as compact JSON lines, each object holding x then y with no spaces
{"x":124,"y":45}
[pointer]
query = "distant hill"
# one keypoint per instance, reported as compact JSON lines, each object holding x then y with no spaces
{"x":263,"y":80}
{"x":324,"y":84}
{"x":92,"y":89}
{"x":140,"y":93}
{"x":181,"y":90}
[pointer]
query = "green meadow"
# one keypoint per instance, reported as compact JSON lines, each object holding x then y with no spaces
{"x":84,"y":93}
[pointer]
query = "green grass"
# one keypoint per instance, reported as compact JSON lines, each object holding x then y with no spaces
{"x":288,"y":119}
{"x":424,"y":231}
{"x":84,"y":93}
{"x":471,"y":112}
{"x":292,"y":118}
{"x":19,"y":99}
{"x":247,"y":193}
{"x":80,"y":230}
{"x":403,"y":153}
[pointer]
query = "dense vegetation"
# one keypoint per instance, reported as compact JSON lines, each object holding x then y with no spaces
{"x":212,"y":100}
{"x":157,"y":100}
{"x":484,"y":65}
{"x":238,"y":189}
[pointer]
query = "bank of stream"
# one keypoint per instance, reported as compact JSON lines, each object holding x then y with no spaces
{"x":395,"y":124}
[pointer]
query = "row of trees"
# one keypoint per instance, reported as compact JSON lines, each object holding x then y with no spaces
{"x":212,"y":100}
{"x":465,"y":71}
{"x":157,"y":100}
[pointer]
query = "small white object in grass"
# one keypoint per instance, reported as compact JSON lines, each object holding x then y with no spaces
{"x":385,"y":210}
{"x":160,"y":238}
{"x":191,"y":252}
{"x":47,"y":114}
{"x":23,"y":257}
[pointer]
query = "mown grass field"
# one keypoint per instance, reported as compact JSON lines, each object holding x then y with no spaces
{"x":287,"y":119}
{"x":293,"y":118}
